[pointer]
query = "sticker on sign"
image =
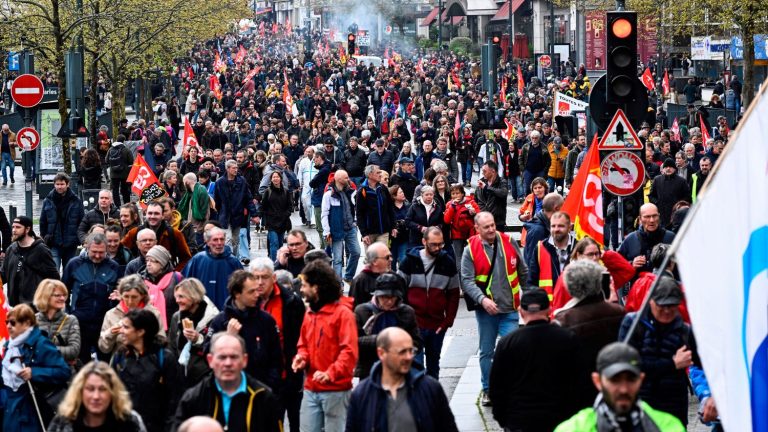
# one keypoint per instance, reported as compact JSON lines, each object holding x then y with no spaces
{"x":622,"y":172}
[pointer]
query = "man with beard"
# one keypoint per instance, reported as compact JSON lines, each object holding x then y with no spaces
{"x":618,"y":408}
{"x":698,"y":178}
{"x":397,"y":396}
{"x":27,"y":262}
{"x":433,"y":292}
{"x":167,"y":236}
{"x":327,"y":351}
{"x":552,"y":254}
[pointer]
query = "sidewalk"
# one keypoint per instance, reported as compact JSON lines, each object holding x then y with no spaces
{"x":470,"y":415}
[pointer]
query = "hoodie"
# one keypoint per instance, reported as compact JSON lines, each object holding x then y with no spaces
{"x":119,"y":160}
{"x":213,"y":271}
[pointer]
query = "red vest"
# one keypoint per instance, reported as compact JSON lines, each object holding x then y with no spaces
{"x":545,"y":269}
{"x":483,"y":265}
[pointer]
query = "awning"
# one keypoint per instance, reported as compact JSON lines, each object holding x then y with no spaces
{"x":429,"y":18}
{"x":262,"y":11}
{"x":454,"y":20}
{"x":503,"y":13}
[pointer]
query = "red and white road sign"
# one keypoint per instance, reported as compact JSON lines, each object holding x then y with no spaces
{"x":623,"y":173}
{"x":620,"y":135}
{"x":27,"y":91}
{"x":27,"y":139}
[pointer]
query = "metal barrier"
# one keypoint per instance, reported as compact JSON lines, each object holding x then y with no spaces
{"x":680,"y":111}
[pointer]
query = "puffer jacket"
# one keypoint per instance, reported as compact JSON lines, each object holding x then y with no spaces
{"x":462,"y":223}
{"x":64,"y":331}
{"x":93,"y":217}
{"x":61,"y":225}
{"x":197,"y":368}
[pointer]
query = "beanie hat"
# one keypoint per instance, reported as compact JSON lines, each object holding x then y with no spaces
{"x":160,"y":254}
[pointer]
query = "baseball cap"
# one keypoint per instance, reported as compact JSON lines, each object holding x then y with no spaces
{"x":535,"y":300}
{"x":668,"y":292}
{"x":405,"y":160}
{"x":26,"y":223}
{"x":616,"y":358}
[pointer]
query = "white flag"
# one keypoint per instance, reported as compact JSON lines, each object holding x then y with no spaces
{"x":723,"y":259}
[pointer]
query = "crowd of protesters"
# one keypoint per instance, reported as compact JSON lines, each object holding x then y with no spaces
{"x":148,"y":317}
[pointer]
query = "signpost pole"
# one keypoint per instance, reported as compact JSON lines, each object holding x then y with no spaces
{"x":28,"y":157}
{"x":620,"y":205}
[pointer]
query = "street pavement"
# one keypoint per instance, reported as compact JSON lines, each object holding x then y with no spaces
{"x":460,"y":371}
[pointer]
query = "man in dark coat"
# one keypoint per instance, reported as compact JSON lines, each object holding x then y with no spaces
{"x":103,"y":212}
{"x":536,"y":377}
{"x":232,"y":195}
{"x":405,"y":178}
{"x":491,"y":193}
{"x":27,"y":262}
{"x":59,"y":219}
{"x":637,"y":246}
{"x":667,"y":189}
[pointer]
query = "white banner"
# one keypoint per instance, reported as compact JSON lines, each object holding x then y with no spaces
{"x":728,"y":303}
{"x":565,"y":105}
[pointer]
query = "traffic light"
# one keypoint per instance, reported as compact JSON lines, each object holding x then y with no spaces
{"x":496,"y":46}
{"x":351,"y":44}
{"x":621,"y":69}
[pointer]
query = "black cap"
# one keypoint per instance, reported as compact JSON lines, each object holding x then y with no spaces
{"x":668,"y":292}
{"x":26,"y":223}
{"x":405,"y":160}
{"x":668,"y":162}
{"x":616,"y":358}
{"x":535,"y":300}
{"x":389,"y":284}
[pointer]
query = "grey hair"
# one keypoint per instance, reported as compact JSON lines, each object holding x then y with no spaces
{"x":190,"y":176}
{"x":210,"y":232}
{"x":371,"y":255}
{"x":146,"y":231}
{"x":95,"y":238}
{"x":369,"y":169}
{"x":688,"y":145}
{"x":583,"y":278}
{"x":230,"y":163}
{"x":439,"y":165}
{"x":262,"y":264}
{"x":132,"y":282}
{"x":284,"y":278}
{"x":425,"y":189}
{"x":535,"y":134}
{"x":106,"y":191}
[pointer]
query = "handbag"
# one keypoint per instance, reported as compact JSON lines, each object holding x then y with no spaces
{"x":471,"y":303}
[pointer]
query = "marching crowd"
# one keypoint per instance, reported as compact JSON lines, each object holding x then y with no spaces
{"x":151,"y":317}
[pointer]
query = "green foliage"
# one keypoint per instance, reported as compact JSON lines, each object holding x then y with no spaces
{"x":460,"y":45}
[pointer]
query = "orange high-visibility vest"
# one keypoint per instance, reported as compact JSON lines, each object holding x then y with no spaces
{"x":545,"y":270}
{"x":482,"y":263}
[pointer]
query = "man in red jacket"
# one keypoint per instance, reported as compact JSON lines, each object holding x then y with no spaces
{"x":327,"y":350}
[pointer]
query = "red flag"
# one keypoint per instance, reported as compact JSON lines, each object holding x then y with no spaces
{"x":4,"y":336}
{"x":189,"y":135}
{"x":288,"y":26}
{"x":584,"y":203}
{"x":675,"y":130}
{"x":456,"y":80}
{"x":457,"y":126}
{"x":520,"y":81}
{"x":503,"y":90}
{"x":509,"y":133}
{"x":241,"y":53}
{"x":409,"y":108}
{"x":191,"y":72}
{"x":215,"y":86}
{"x":143,"y":182}
{"x":252,"y":73}
{"x":665,"y":83}
{"x":274,"y":28}
{"x":705,"y":136}
{"x":420,"y":67}
{"x":647,"y":79}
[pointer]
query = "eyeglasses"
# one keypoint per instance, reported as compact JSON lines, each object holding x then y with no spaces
{"x":435,"y":245}
{"x":385,"y":257}
{"x":59,"y":295}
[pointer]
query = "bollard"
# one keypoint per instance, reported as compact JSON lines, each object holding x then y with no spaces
{"x":12,"y":212}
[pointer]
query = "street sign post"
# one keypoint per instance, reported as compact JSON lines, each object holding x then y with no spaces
{"x":27,"y":91}
{"x":620,"y":135}
{"x":622,"y":172}
{"x":27,"y":139}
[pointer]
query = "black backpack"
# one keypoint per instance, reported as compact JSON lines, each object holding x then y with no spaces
{"x":115,"y":158}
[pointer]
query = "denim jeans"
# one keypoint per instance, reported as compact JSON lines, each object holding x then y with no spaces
{"x":324,"y":411}
{"x":528,"y":179}
{"x":433,"y":344}
{"x":233,"y":236}
{"x":7,"y":161}
{"x":553,"y":183}
{"x":351,"y":244}
{"x":466,"y":171}
{"x":491,"y":327}
{"x":274,"y":242}
{"x":516,"y":185}
{"x":61,"y":256}
{"x":398,"y":253}
{"x":244,"y":251}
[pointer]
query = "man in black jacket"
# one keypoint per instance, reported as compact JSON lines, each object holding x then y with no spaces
{"x":251,"y":403}
{"x":104,"y":211}
{"x":536,"y":377}
{"x":405,"y":178}
{"x":27,"y":262}
{"x":491,"y":193}
{"x":287,"y":308}
{"x":667,"y":189}
{"x":355,"y":160}
{"x":396,"y":396}
{"x":120,"y":160}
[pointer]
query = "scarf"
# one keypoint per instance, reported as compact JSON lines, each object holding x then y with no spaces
{"x":608,"y":421}
{"x":12,"y":365}
{"x":157,"y":294}
{"x":124,"y":307}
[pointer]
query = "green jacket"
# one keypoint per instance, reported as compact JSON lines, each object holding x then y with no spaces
{"x":200,"y":203}
{"x":586,"y":421}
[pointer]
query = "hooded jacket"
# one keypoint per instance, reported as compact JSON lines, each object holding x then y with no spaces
{"x":429,"y":406}
{"x":119,"y":160}
{"x":24,"y":268}
{"x":213,"y":271}
{"x":90,"y":285}
{"x":262,"y":341}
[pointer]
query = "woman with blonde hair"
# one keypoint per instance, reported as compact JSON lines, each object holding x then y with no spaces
{"x":133,"y":295}
{"x":62,"y":328}
{"x":97,"y":400}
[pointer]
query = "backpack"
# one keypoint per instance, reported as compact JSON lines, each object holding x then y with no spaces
{"x":115,"y":158}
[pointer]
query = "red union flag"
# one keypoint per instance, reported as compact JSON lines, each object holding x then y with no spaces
{"x":189,"y":135}
{"x":648,"y":79}
{"x":665,"y":83}
{"x":584,"y":203}
{"x":143,"y":182}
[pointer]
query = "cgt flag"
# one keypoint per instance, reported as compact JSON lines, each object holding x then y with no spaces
{"x":189,"y":135}
{"x":729,"y":304}
{"x":665,"y":83}
{"x":584,"y":203}
{"x":647,"y":79}
{"x":144,"y":183}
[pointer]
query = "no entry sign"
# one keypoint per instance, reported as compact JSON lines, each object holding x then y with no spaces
{"x":27,"y":91}
{"x":623,"y":173}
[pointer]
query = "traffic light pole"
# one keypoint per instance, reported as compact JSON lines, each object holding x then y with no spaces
{"x":27,"y":66}
{"x":440,"y":25}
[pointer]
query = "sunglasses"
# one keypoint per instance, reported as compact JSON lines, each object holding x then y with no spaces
{"x":12,"y":323}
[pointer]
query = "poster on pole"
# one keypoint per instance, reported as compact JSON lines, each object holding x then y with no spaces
{"x":595,"y":40}
{"x":50,"y":154}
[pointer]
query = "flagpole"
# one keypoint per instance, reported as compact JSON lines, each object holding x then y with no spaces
{"x":691,"y":214}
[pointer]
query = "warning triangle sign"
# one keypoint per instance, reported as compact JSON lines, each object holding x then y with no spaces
{"x":619,"y":135}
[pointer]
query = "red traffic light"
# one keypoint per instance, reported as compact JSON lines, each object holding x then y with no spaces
{"x":351,"y":37}
{"x":496,"y":40}
{"x":621,"y":28}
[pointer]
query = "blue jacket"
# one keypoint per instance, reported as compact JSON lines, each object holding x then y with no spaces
{"x":64,"y":231}
{"x":336,"y":212}
{"x":537,"y":229}
{"x":48,"y":369}
{"x":232,"y":198}
{"x":90,"y":286}
{"x":429,"y":406}
{"x":375,"y":210}
{"x":641,"y":242}
{"x":318,"y":183}
{"x":213,"y":272}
